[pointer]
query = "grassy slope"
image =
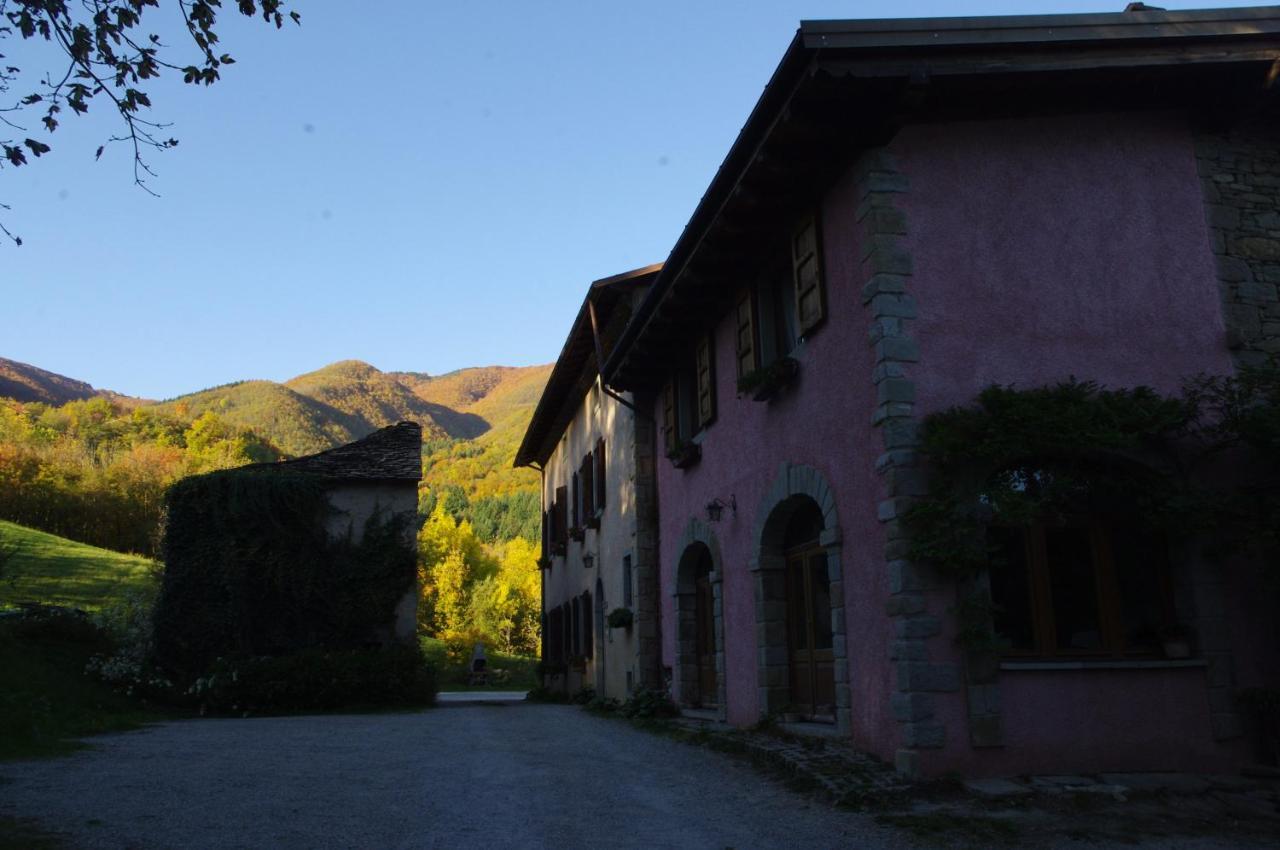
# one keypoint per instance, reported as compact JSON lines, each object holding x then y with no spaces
{"x":56,"y":571}
{"x":46,"y":701}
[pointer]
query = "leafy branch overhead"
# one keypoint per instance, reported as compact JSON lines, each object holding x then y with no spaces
{"x":104,"y":53}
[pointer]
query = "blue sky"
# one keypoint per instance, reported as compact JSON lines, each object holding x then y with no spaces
{"x":425,"y":186}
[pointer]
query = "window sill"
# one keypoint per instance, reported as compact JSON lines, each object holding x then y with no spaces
{"x":1109,"y":664}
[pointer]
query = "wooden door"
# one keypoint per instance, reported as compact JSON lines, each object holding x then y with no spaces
{"x":813,"y":684}
{"x":704,"y":616}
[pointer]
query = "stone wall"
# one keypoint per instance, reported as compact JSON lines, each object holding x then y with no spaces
{"x":1240,"y":171}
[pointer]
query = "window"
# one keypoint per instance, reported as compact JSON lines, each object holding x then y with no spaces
{"x":689,"y":398}
{"x":577,"y":502}
{"x":786,"y":303}
{"x":599,"y":475}
{"x":575,"y":620}
{"x":626,"y":581}
{"x":560,"y":521}
{"x":587,"y":475}
{"x":1080,"y":589}
{"x":588,"y":628}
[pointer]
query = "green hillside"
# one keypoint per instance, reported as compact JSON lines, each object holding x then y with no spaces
{"x":294,"y":423}
{"x":504,"y":398}
{"x":372,"y":399}
{"x":44,"y":568}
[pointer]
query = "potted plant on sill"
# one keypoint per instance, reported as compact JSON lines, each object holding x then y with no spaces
{"x":685,"y":454}
{"x":577,"y":533}
{"x":766,"y":382}
{"x":620,"y":618}
{"x":1176,"y":641}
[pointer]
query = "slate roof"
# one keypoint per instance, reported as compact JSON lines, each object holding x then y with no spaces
{"x":391,"y":454}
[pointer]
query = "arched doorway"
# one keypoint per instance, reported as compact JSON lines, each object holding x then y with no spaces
{"x":800,"y":619}
{"x":696,"y":636}
{"x":810,"y":658}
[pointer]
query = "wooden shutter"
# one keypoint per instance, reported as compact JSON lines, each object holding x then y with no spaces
{"x":601,"y":488}
{"x":587,"y":476}
{"x":577,"y":502}
{"x":746,"y":315}
{"x":561,"y":526}
{"x":546,"y":536}
{"x":706,"y":381}
{"x":670,"y":435}
{"x":806,"y":266}
{"x":588,"y":625}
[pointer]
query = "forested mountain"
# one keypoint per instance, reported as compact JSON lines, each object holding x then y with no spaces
{"x":24,"y":382}
{"x":473,"y":420}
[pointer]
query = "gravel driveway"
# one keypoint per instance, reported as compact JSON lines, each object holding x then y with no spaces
{"x":459,"y":776}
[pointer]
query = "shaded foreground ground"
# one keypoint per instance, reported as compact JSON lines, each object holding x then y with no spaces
{"x":515,"y":775}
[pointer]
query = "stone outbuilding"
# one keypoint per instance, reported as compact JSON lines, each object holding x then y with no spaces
{"x":313,"y":553}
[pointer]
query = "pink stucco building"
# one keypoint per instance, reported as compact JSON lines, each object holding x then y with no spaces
{"x":916,"y":210}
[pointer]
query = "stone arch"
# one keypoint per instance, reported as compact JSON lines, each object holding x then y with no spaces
{"x":794,"y":488}
{"x":698,"y":541}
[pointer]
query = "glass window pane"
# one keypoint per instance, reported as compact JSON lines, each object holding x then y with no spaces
{"x":1011,"y":587}
{"x":1141,"y":562}
{"x":1073,"y":588}
{"x":820,"y":584}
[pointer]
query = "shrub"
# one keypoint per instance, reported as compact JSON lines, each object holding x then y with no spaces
{"x":584,"y":695}
{"x":645,"y":704}
{"x":316,"y":680}
{"x":56,"y":623}
{"x":620,"y":618}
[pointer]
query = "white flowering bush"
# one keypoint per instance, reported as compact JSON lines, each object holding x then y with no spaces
{"x":129,"y":666}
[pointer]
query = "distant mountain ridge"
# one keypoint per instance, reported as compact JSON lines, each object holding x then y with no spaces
{"x":27,"y":383}
{"x":341,"y":402}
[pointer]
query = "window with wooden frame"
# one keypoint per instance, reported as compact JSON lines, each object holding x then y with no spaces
{"x":786,"y":303}
{"x":560,"y":521}
{"x":806,"y":269}
{"x":689,"y":398}
{"x":587,"y":475}
{"x":626,"y":581}
{"x":599,"y":476}
{"x":1080,"y":589}
{"x":576,"y":629}
{"x":577,"y":501}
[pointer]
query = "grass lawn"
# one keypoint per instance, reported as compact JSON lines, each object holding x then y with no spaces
{"x":506,"y":672}
{"x":46,"y":700}
{"x":55,"y":571}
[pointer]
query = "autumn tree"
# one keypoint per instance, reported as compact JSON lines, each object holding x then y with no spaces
{"x":105,"y":54}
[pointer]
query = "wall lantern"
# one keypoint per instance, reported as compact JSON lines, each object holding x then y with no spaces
{"x":588,"y":560}
{"x":715,"y":508}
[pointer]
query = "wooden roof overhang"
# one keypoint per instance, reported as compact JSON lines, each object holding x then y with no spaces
{"x":577,"y":368}
{"x":845,"y":86}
